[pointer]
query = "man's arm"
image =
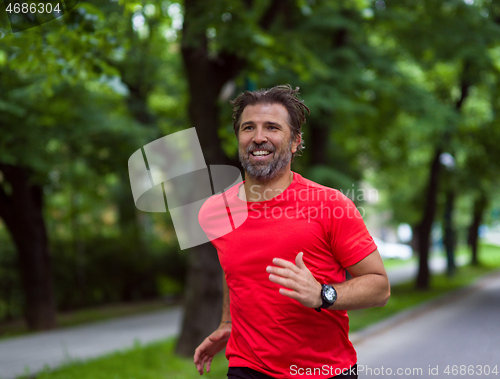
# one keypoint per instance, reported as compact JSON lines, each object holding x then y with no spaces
{"x":216,"y":341}
{"x":226,"y":314}
{"x":368,"y":288}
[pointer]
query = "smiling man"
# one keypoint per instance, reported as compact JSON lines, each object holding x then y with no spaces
{"x":265,"y":141}
{"x":285,"y":288}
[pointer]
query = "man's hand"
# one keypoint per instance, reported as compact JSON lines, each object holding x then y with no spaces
{"x":214,"y":343}
{"x":302,"y":285}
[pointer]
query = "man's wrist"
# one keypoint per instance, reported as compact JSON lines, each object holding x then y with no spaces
{"x":319,"y":299}
{"x":328,"y":296}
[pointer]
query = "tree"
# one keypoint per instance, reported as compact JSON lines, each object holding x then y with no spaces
{"x":210,"y":62}
{"x":39,"y":65}
{"x":468,"y":50}
{"x":481,"y":163}
{"x":22,"y":213}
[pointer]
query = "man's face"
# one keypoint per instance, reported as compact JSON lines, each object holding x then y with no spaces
{"x":265,"y":143}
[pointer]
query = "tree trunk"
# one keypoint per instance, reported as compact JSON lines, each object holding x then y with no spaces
{"x":414,"y":237}
{"x":425,"y":226}
{"x":206,"y":76}
{"x":479,"y":207}
{"x":22,"y":211}
{"x":203,"y":298}
{"x":319,"y":144}
{"x":449,"y":239}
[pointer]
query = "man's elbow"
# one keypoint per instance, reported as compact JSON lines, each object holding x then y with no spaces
{"x":385,"y":295}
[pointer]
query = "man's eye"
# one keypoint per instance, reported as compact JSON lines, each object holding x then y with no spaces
{"x":246,"y":127}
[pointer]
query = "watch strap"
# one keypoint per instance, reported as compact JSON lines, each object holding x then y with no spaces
{"x":325,"y":303}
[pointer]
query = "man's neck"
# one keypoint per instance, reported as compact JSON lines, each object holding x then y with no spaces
{"x":262,"y":191}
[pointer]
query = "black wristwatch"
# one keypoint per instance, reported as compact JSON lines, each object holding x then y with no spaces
{"x":328,"y":296}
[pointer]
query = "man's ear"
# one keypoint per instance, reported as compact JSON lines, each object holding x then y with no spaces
{"x":296,"y":143}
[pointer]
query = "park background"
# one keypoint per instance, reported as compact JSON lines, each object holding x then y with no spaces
{"x":404,"y":98}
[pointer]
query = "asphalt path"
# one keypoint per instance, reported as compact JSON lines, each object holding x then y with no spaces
{"x":32,"y":353}
{"x":455,"y":337}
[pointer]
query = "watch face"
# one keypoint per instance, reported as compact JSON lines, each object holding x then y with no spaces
{"x":330,"y":294}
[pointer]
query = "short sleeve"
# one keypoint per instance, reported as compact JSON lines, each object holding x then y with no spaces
{"x":350,"y":240}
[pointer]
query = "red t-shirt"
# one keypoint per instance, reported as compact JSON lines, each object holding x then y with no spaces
{"x":272,"y":333}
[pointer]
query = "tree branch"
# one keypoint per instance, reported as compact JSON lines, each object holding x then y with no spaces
{"x":5,"y":199}
{"x":464,"y":86}
{"x":272,"y":12}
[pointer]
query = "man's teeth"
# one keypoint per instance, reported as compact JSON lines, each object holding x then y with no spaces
{"x":260,"y":152}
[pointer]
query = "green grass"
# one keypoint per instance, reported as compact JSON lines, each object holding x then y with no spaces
{"x":84,"y":316}
{"x":148,"y":362}
{"x":158,"y":360}
{"x":391,"y":263}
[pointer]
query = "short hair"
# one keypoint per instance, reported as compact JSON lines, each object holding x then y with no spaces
{"x":282,"y":94}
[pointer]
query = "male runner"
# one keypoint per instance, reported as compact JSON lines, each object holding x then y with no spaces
{"x":285,"y":288}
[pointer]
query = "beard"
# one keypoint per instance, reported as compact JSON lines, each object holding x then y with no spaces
{"x":266,"y":171}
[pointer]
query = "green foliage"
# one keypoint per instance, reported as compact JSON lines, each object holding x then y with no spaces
{"x":69,"y":49}
{"x":168,"y":286}
{"x":75,"y":122}
{"x":111,"y":271}
{"x":445,"y":56}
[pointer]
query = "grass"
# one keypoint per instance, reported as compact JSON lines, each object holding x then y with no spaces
{"x":391,"y":263}
{"x":158,"y":360}
{"x":84,"y":316}
{"x":145,"y":362}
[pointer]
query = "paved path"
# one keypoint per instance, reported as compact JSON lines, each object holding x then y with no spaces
{"x":462,"y":331}
{"x":59,"y":346}
{"x":55,"y":347}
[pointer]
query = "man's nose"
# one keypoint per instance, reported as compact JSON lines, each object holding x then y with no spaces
{"x":259,"y":136}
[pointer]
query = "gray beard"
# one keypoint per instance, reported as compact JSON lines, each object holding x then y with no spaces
{"x":266,"y":171}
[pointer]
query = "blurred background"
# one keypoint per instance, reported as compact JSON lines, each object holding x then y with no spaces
{"x":404,"y":98}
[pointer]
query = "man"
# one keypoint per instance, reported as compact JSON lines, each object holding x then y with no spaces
{"x":285,"y":293}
